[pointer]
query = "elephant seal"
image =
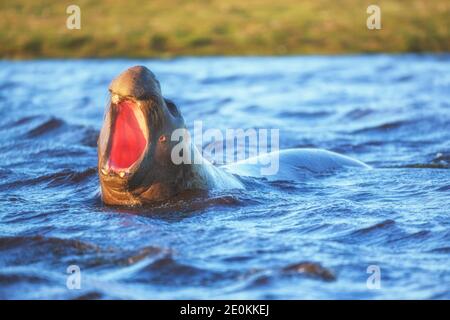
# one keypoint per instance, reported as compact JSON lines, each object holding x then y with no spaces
{"x":134,"y":148}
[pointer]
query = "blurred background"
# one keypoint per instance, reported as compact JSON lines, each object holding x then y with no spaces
{"x":166,"y":28}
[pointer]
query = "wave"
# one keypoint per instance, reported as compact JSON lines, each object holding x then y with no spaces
{"x":412,"y":237}
{"x":358,"y":113}
{"x":61,"y":178}
{"x":37,"y":126}
{"x":9,"y":242}
{"x":378,"y":233}
{"x":310,"y":269}
{"x":90,"y":137}
{"x":11,"y":277}
{"x":440,"y":160}
{"x":444,"y":188}
{"x":388,"y":126}
{"x":162,"y":268}
{"x":187,"y":204}
{"x":424,"y":166}
{"x":381,"y":226}
{"x":445,"y":250}
{"x":46,"y":127}
{"x":303,"y":114}
{"x":258,"y":278}
{"x":21,"y":121}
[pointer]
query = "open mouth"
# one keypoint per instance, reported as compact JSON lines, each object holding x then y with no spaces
{"x":128,"y":141}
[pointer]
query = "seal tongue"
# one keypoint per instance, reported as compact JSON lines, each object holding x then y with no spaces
{"x":128,"y":141}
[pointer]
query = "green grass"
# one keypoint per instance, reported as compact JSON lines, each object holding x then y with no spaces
{"x":165,"y":28}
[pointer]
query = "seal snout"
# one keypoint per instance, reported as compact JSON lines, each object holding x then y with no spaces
{"x":134,"y":153}
{"x":128,"y":138}
{"x":136,"y":82}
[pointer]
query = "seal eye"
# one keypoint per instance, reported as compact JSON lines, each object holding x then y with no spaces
{"x":172,"y":108}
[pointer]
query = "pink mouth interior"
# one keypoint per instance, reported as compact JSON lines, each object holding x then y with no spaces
{"x":128,"y":141}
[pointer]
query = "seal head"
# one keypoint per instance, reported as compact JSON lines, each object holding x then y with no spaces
{"x":134,"y":146}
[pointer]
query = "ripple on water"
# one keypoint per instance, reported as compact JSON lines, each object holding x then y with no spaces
{"x":384,"y":127}
{"x":310,"y":269}
{"x":46,"y":127}
{"x":306,"y":270}
{"x":44,"y":243}
{"x":66,"y":177}
{"x":378,"y":233}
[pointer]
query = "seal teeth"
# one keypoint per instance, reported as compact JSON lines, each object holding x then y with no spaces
{"x":115,"y":98}
{"x":122,"y":174}
{"x":104,"y":171}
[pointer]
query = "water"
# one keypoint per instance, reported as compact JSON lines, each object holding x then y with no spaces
{"x":313,"y":238}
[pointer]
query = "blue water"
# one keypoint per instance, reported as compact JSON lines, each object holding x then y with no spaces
{"x":313,"y":238}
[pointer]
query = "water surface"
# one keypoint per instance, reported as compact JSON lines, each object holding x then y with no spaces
{"x":311,"y":238}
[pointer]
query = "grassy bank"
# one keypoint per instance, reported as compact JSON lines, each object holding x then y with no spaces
{"x":37,"y":28}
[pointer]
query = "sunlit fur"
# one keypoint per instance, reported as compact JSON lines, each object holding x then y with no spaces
{"x":154,"y":177}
